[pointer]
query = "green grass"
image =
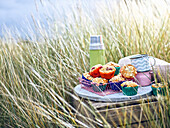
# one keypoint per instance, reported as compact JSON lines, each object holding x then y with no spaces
{"x":37,"y":78}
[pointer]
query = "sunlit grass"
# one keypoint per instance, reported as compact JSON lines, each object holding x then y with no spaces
{"x":37,"y":76}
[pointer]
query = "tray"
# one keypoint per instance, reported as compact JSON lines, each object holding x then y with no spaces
{"x":143,"y":92}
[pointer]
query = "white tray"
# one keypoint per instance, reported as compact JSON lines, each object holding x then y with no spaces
{"x":143,"y":92}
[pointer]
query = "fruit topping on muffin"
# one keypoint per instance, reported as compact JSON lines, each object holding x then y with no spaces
{"x":94,"y":71}
{"x":107,"y":72}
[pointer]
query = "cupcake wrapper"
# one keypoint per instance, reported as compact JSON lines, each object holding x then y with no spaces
{"x":99,"y":88}
{"x":116,"y":86}
{"x":130,"y":91}
{"x":154,"y":91}
{"x":86,"y":84}
{"x":85,"y":81}
{"x":161,"y":91}
{"x":108,"y":86}
{"x":117,"y":71}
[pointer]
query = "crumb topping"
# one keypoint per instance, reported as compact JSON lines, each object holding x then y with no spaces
{"x":117,"y":79}
{"x":100,"y":80}
{"x":107,"y":69}
{"x":159,"y":85}
{"x":113,"y":64}
{"x":87,"y":76}
{"x":129,"y":71}
{"x":129,"y":84}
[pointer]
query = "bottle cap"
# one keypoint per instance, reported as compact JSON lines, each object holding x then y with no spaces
{"x":96,"y":42}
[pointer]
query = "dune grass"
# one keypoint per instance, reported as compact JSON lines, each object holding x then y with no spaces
{"x":37,"y":77}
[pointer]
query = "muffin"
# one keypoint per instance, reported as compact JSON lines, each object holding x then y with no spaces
{"x":113,"y":64}
{"x":87,"y":76}
{"x":107,"y":72}
{"x":155,"y":86}
{"x":129,"y":88}
{"x":128,"y":71}
{"x":115,"y":82}
{"x":94,"y":71}
{"x":117,"y":66}
{"x":117,"y":78}
{"x":159,"y":88}
{"x":99,"y":84}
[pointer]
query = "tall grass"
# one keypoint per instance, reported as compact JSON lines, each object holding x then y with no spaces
{"x":37,"y":77}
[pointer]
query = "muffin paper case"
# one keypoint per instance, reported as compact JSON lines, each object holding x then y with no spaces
{"x":154,"y":91}
{"x":85,"y":81}
{"x":117,"y":71}
{"x":161,"y":91}
{"x":130,"y":91}
{"x":99,"y":88}
{"x":116,"y":86}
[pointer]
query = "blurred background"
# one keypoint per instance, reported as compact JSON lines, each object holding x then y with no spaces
{"x":16,"y":14}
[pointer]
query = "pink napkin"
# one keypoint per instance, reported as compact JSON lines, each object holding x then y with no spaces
{"x":105,"y":92}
